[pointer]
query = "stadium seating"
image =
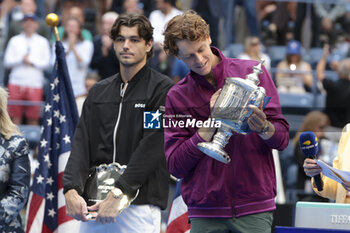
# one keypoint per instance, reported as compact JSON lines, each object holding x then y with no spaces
{"x":233,"y":50}
{"x":314,"y":55}
{"x":296,"y":103}
{"x":276,"y":53}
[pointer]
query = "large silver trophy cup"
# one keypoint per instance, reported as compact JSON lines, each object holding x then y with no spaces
{"x":231,"y":109}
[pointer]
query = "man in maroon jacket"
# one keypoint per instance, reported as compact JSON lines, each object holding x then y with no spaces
{"x":238,"y":196}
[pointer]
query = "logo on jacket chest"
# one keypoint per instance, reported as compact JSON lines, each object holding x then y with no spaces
{"x":140,"y":105}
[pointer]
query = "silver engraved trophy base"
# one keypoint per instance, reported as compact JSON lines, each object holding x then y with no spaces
{"x":231,"y":109}
{"x":214,"y":148}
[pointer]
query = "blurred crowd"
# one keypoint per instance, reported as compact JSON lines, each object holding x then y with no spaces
{"x":305,"y":47}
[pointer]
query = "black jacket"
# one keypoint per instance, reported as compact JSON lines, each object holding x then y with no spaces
{"x":142,"y":150}
{"x":337,"y":101}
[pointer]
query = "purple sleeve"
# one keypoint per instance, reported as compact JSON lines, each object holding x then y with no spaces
{"x":273,"y":113}
{"x":180,"y":146}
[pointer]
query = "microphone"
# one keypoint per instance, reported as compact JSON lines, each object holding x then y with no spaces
{"x":309,"y":146}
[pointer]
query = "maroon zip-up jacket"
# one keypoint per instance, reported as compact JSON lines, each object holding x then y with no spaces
{"x":212,"y":189}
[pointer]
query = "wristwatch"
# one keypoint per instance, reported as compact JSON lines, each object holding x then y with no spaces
{"x":265,"y":129}
{"x":117,"y":193}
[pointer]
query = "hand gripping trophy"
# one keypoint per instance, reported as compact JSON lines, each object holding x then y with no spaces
{"x":231,"y":109}
{"x":102,"y":181}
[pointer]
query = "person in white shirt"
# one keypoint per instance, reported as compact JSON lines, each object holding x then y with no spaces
{"x":27,"y":55}
{"x":78,"y":55}
{"x":159,"y":18}
{"x":253,"y":51}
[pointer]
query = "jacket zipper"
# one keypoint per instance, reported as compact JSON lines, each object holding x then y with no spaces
{"x":122,"y":93}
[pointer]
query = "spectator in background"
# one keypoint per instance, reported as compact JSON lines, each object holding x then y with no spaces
{"x":330,"y":13}
{"x":15,"y":27}
{"x":210,"y":11}
{"x":293,"y":74}
{"x":303,"y":10}
{"x":27,"y":55}
{"x":132,"y":6}
{"x":338,"y":51}
{"x":316,"y":122}
{"x":79,"y":53}
{"x":6,"y":9}
{"x":179,"y":70}
{"x":104,"y":59}
{"x":229,"y":10}
{"x":159,"y":18}
{"x":78,"y":13}
{"x":253,"y":51}
{"x":147,"y":6}
{"x":276,"y":20}
{"x":90,"y":80}
{"x":161,"y":62}
{"x":14,"y":171}
{"x":338,"y":91}
{"x":332,"y":189}
{"x":41,"y":11}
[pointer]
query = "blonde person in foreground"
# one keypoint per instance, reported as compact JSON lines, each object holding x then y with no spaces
{"x":14,"y":171}
{"x":332,"y":189}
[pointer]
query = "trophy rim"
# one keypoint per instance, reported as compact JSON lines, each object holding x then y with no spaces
{"x":214,"y":152}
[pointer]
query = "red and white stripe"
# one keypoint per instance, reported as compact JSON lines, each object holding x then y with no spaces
{"x":178,"y":217}
{"x":36,"y":208}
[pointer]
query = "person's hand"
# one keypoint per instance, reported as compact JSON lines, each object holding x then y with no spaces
{"x":311,"y":168}
{"x":72,"y":40}
{"x":106,"y":41}
{"x":26,"y":59}
{"x":207,"y":133}
{"x":270,"y":8}
{"x":257,"y":120}
{"x":76,"y":206}
{"x":106,"y":44}
{"x":346,"y":186}
{"x":325,"y":51}
{"x":107,"y":210}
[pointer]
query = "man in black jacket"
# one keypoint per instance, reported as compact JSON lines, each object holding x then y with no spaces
{"x":111,"y":129}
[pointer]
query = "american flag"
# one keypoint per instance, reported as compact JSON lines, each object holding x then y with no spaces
{"x":46,"y":211}
{"x":178,"y":216}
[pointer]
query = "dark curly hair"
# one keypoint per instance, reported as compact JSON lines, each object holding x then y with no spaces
{"x":145,"y":29}
{"x":188,"y":26}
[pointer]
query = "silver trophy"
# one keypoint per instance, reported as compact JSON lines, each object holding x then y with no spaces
{"x":105,"y":177}
{"x":231,"y":109}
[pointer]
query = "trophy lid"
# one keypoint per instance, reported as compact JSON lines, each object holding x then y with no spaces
{"x":256,"y":71}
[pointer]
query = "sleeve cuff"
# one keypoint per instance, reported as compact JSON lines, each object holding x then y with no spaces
{"x":194,"y":140}
{"x":276,"y":140}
